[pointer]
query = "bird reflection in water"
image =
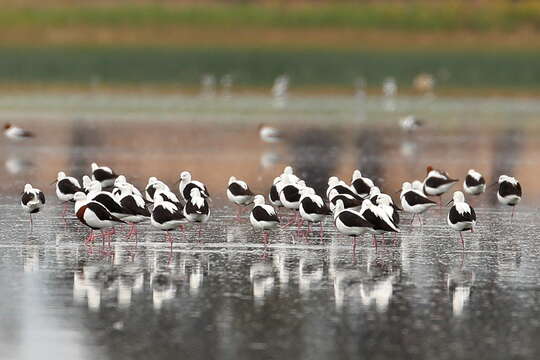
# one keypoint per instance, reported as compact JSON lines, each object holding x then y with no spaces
{"x":459,"y":284}
{"x":261,"y":275}
{"x":310,"y":273}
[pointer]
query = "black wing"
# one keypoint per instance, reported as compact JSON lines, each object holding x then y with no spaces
{"x":101,"y":212}
{"x":413,"y":198}
{"x":41,"y":197}
{"x":151,"y":190}
{"x":435,"y":182}
{"x":101,"y":175}
{"x":506,"y":188}
{"x":347,"y":201}
{"x":194,"y":209}
{"x":311,"y":207}
{"x":110,"y":204}
{"x":130,"y":205}
{"x":274,"y":196}
{"x":162,"y":215}
{"x":345,"y":190}
{"x":188,"y":188}
{"x":353,"y":220}
{"x":377,"y":222}
{"x":26,"y":197}
{"x":238,"y":190}
{"x":67,"y":187}
{"x":471,"y":181}
{"x":360,"y":186}
{"x":455,"y":217}
{"x":291,"y":193}
{"x":260,"y":214}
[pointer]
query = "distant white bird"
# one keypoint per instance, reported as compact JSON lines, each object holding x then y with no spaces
{"x":16,"y":133}
{"x":269,"y":134}
{"x":32,"y":200}
{"x":410,"y":123}
{"x":105,"y":175}
{"x":239,"y":193}
{"x":474,"y":183}
{"x":461,"y":216}
{"x":509,"y":192}
{"x":263,"y":217}
{"x":187,"y":184}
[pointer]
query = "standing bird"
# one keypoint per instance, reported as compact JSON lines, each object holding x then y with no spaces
{"x":349,"y":201}
{"x":289,"y":196}
{"x":86,"y":183}
{"x":474,"y":183}
{"x":169,"y":196}
{"x":350,"y":222}
{"x":414,"y":201}
{"x":121,"y":180}
{"x":313,"y":209}
{"x":273,"y":196}
{"x":66,"y":187}
{"x":32,"y":200}
{"x":263,"y":217}
{"x":166,"y":216}
{"x":197,"y":209}
{"x":239,"y":193}
{"x":186,"y":185}
{"x":361,"y":185}
{"x":509,"y":192}
{"x":134,"y":206}
{"x":410,"y":123}
{"x":341,"y":187}
{"x":105,"y":175}
{"x":437,"y":182}
{"x":380,"y":220}
{"x":94,"y":215}
{"x":16,"y":133}
{"x":107,"y":199}
{"x":152,"y":186}
{"x":461,"y":216}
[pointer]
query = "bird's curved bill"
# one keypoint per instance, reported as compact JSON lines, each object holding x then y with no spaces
{"x":450,"y":202}
{"x":177,"y":182}
{"x":54,"y":182}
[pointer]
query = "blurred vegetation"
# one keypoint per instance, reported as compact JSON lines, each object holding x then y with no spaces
{"x":403,"y":15}
{"x":259,"y":68}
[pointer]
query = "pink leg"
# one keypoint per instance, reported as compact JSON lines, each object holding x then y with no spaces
{"x":412,"y":220}
{"x":354,"y":245}
{"x":200,"y":232}
{"x":293,"y":220}
{"x":299,"y":226}
{"x":321,"y":232}
{"x":183,"y":229}
{"x":31,"y":224}
{"x":462,"y":242}
{"x":103,"y":238}
{"x":265,"y":238}
{"x":512,"y":217}
{"x":375,"y":242}
{"x":395,"y":239}
{"x":89,"y":238}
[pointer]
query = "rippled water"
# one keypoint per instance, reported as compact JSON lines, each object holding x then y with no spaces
{"x":226,"y":296}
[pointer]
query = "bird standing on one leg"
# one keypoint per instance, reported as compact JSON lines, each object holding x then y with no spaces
{"x":461,"y":216}
{"x":263,"y":217}
{"x":32,"y":200}
{"x":509,"y":192}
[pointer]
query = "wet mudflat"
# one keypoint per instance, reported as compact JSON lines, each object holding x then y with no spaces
{"x":224,"y":295}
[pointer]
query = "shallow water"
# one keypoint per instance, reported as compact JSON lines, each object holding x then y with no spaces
{"x":226,"y":296}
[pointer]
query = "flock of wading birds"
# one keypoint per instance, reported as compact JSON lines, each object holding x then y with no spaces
{"x":357,"y":208}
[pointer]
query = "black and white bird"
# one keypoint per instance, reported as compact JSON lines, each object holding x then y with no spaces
{"x":66,"y":187}
{"x":509,"y":192}
{"x":121,"y":180}
{"x":187,"y":184}
{"x":382,"y":223}
{"x":410,"y":123}
{"x":239,"y":193}
{"x":461,"y":216}
{"x":166,"y":216}
{"x":474,"y":183}
{"x":290,"y":196}
{"x":288,"y":175}
{"x":384,"y":202}
{"x":273,"y":195}
{"x":196,"y":209}
{"x":437,"y":182}
{"x":86,"y":183}
{"x":414,"y":201}
{"x":341,"y":187}
{"x":269,"y":134}
{"x":154,"y":184}
{"x":350,"y":222}
{"x":107,"y":199}
{"x":313,"y":209}
{"x":105,"y":175}
{"x":263,"y":217}
{"x":418,"y":186}
{"x":13,"y":132}
{"x":134,"y":206}
{"x":32,"y":200}
{"x":94,"y":215}
{"x":349,"y":201}
{"x":361,"y":185}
